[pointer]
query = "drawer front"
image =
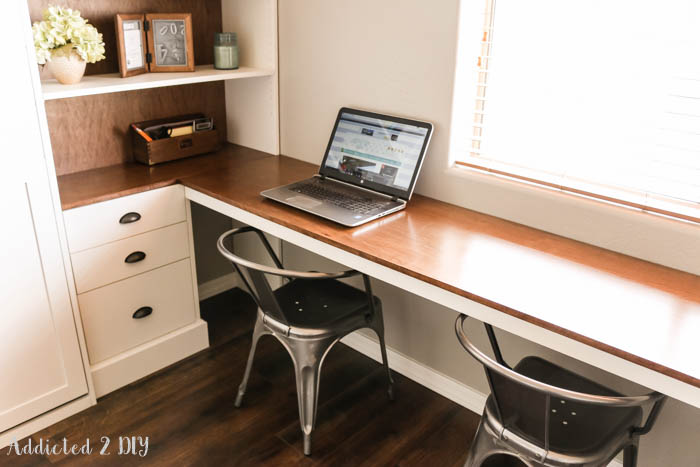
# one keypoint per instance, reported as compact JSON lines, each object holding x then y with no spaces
{"x":100,"y":223}
{"x":118,"y":260}
{"x":110,"y":317}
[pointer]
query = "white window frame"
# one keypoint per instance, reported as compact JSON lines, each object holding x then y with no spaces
{"x":653,"y":237}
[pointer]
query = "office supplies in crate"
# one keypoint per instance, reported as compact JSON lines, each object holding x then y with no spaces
{"x":169,"y":139}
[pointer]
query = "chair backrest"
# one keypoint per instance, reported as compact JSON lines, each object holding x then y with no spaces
{"x":254,"y":275}
{"x":536,"y":411}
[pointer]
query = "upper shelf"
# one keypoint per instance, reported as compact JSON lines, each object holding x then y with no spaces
{"x":103,"y":84}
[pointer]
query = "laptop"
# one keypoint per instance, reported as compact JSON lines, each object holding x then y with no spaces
{"x":369,"y":169}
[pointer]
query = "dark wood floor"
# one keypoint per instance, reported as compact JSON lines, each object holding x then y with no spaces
{"x":187,"y":411}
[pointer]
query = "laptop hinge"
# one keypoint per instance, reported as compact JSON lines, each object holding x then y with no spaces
{"x":377,"y":193}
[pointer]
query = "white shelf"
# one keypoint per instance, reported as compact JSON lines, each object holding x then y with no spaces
{"x":103,"y":84}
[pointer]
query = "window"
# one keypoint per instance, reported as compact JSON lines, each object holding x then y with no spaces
{"x":592,"y":97}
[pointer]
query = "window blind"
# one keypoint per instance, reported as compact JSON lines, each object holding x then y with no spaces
{"x":595,"y":97}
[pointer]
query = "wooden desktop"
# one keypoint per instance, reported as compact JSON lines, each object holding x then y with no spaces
{"x":628,"y":316}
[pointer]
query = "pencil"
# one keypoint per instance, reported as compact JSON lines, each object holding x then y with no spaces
{"x":141,"y":132}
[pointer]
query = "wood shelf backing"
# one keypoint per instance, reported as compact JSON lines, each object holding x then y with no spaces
{"x":92,"y":132}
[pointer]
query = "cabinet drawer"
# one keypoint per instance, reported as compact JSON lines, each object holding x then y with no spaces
{"x":118,"y":260}
{"x":108,"y":312}
{"x":104,"y":222}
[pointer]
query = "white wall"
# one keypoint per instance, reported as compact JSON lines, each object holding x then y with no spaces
{"x":398,"y":56}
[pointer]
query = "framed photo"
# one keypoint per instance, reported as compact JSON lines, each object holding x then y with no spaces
{"x":131,"y":44}
{"x":170,"y":41}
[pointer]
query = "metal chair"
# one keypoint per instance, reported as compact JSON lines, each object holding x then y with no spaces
{"x":539,"y":414}
{"x":308,"y":315}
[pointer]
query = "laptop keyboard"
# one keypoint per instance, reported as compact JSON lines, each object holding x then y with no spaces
{"x":339,"y":197}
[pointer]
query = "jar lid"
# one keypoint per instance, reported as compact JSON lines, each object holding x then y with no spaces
{"x":225,"y":37}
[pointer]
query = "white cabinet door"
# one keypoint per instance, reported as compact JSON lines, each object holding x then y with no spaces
{"x":40,"y":361}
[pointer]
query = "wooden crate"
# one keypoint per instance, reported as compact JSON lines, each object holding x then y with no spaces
{"x":170,"y":149}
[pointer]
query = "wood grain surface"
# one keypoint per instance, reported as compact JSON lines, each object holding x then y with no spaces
{"x":90,"y":132}
{"x":206,"y":20}
{"x":102,"y":184}
{"x":639,"y":311}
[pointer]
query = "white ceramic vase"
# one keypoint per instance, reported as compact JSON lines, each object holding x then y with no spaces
{"x":67,"y":66}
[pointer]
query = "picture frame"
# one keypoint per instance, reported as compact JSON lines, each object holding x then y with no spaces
{"x":131,"y":44}
{"x":170,"y":44}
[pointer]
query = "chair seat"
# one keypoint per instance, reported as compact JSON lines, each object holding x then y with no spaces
{"x":320,"y":303}
{"x":575,"y":428}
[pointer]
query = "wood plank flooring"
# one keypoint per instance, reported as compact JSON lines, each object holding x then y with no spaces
{"x":187,"y":411}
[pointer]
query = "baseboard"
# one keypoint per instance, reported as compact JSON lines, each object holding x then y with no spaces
{"x":216,"y":286}
{"x":452,"y":389}
{"x":148,"y":358}
{"x":444,"y":385}
{"x":45,"y":420}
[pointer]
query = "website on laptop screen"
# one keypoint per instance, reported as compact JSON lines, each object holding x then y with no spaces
{"x":375,"y":150}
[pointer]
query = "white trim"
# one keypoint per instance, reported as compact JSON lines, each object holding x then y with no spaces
{"x":45,"y":420}
{"x":614,"y":227}
{"x":252,"y":106}
{"x":452,"y":389}
{"x":112,"y":82}
{"x":457,"y":392}
{"x":219,"y":285}
{"x":611,"y":363}
{"x":193,"y":265}
{"x":148,"y":358}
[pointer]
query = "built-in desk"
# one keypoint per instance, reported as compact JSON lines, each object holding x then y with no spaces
{"x":630,"y":317}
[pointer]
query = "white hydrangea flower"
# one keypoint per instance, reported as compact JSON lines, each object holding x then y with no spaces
{"x":64,"y":26}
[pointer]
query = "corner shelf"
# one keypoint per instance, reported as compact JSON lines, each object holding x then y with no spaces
{"x":103,"y":84}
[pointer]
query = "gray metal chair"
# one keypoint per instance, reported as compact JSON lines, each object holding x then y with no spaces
{"x":308,"y":315}
{"x":539,"y":414}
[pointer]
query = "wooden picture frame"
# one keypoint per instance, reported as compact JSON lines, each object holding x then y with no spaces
{"x":170,"y":44}
{"x":131,"y":44}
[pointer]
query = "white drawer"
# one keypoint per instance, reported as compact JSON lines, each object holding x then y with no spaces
{"x":99,"y":223}
{"x":107,"y":312}
{"x":107,"y":263}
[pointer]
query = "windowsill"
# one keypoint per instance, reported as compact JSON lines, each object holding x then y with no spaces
{"x":684,"y":211}
{"x":653,"y":237}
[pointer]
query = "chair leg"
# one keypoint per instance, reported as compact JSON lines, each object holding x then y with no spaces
{"x":258,"y":331}
{"x":308,"y":357}
{"x":483,"y":445}
{"x":378,"y":327}
{"x":629,"y":456}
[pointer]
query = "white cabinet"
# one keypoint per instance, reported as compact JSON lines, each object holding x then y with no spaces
{"x":100,"y":223}
{"x":137,"y":310}
{"x":136,"y":285}
{"x":39,"y":352}
{"x":45,"y":370}
{"x":40,"y":360}
{"x":125,"y":258}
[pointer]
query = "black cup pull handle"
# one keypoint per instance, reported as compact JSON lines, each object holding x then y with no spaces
{"x":186,"y":143}
{"x":142,"y":312}
{"x":130,"y":217}
{"x":135,"y":257}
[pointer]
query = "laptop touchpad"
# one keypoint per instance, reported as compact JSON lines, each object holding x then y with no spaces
{"x":305,"y":201}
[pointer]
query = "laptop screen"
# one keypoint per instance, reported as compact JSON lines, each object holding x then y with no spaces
{"x":376,"y":151}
